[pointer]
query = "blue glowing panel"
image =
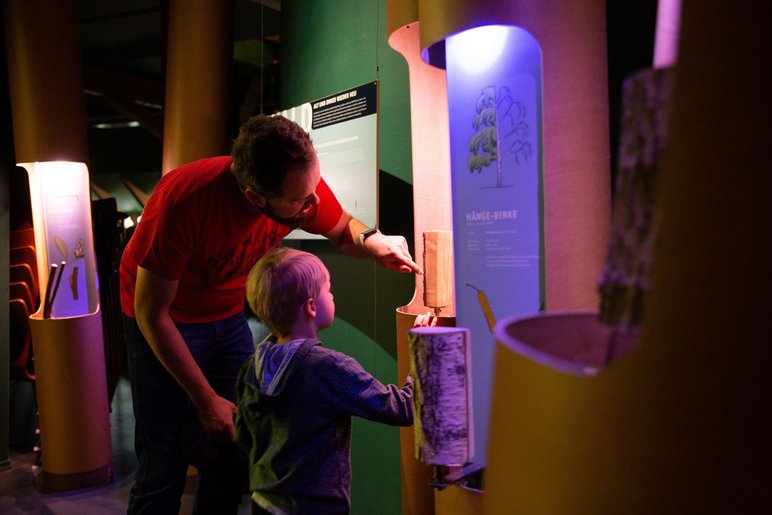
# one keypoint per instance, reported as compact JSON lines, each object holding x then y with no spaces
{"x":494,"y":102}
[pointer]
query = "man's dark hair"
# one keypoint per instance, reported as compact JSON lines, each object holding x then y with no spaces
{"x":266,"y":150}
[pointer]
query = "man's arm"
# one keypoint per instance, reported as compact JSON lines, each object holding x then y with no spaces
{"x":390,"y":252}
{"x":152,"y":298}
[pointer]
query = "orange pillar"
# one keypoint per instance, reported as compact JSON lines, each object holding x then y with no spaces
{"x":198,"y":70}
{"x":45,"y":79}
{"x":432,"y":211}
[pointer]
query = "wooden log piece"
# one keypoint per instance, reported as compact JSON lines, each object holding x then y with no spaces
{"x":438,"y":269}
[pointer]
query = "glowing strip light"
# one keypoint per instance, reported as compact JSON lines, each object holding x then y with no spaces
{"x":116,"y":125}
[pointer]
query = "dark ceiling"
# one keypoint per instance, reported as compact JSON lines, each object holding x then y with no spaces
{"x":123,"y":44}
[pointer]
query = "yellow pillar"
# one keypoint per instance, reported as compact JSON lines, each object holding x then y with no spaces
{"x":198,"y":71}
{"x":45,"y":79}
{"x":49,"y":124}
{"x":71,"y":389}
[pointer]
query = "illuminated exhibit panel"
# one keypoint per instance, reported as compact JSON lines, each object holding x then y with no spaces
{"x":494,"y":105}
{"x":61,"y":205}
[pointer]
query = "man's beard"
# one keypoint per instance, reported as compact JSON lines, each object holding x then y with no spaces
{"x":293,"y":222}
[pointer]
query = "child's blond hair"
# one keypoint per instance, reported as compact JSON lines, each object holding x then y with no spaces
{"x":280,"y":282}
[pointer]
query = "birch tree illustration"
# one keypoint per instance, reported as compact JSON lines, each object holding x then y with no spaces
{"x":499,"y":118}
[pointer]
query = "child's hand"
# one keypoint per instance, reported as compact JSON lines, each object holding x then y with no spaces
{"x":427,"y":320}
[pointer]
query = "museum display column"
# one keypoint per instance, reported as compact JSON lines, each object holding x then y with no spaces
{"x":66,"y":331}
{"x":49,"y":127}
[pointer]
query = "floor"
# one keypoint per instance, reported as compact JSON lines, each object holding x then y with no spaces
{"x":20,"y":485}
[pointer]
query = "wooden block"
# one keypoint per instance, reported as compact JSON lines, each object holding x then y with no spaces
{"x":438,"y":269}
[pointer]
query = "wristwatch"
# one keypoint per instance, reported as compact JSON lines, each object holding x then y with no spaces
{"x":366,"y":234}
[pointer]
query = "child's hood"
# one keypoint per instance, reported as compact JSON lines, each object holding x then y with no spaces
{"x":274,"y":363}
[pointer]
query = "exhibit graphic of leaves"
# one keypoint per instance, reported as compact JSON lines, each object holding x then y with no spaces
{"x":498,"y":117}
{"x":61,"y":246}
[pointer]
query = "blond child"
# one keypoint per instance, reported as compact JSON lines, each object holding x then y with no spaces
{"x":296,"y":397}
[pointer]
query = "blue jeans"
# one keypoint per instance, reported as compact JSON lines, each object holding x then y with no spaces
{"x":162,"y":411}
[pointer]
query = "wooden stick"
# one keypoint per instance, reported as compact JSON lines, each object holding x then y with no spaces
{"x":47,"y":294}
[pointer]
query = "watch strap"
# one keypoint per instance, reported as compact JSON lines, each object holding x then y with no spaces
{"x":366,"y":234}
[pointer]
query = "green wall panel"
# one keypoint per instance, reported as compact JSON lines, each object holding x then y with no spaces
{"x":376,"y":487}
{"x":330,"y":46}
{"x":333,"y":45}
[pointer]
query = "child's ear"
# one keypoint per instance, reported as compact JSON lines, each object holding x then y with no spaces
{"x":310,"y":307}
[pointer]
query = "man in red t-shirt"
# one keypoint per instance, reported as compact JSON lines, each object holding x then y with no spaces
{"x":182,"y":290}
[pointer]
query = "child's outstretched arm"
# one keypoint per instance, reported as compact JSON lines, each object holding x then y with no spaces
{"x":352,"y":389}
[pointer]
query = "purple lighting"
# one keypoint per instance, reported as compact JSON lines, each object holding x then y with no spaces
{"x":477,"y":50}
{"x":494,"y":119}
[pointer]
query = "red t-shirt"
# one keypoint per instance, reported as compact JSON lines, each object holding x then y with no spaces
{"x":196,"y":229}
